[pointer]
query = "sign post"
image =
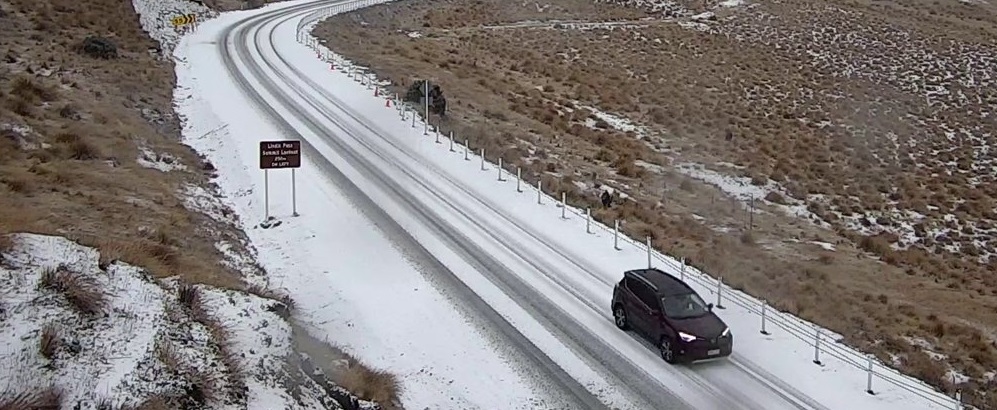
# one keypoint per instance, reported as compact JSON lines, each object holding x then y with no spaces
{"x":280,"y":155}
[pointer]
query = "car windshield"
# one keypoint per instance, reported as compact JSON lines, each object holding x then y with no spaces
{"x":683,"y":306}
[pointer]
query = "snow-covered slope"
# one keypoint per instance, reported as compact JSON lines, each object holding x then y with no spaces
{"x":95,"y":333}
{"x":155,"y":16}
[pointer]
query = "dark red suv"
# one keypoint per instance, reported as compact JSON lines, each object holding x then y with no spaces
{"x":666,"y":310}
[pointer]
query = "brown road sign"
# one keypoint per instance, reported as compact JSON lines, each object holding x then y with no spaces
{"x":280,"y":154}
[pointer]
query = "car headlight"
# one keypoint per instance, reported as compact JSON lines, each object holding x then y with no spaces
{"x":686,"y":337}
{"x":725,"y":332}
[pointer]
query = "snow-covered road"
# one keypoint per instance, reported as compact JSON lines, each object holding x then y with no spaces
{"x":393,"y":239}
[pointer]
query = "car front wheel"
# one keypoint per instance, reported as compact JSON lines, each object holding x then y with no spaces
{"x":620,"y":317}
{"x":667,"y":352}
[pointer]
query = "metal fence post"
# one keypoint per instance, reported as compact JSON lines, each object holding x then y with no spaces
{"x":616,"y":235}
{"x":588,"y":220}
{"x":817,"y":349}
{"x":519,"y":179}
{"x":482,"y":159}
{"x":500,"y":170}
{"x":868,"y":382}
{"x":451,"y":141}
{"x":437,"y":132}
{"x":764,"y":308}
{"x":649,"y":266}
{"x":540,"y":192}
{"x":720,"y":291}
{"x":682,"y":271}
{"x":564,"y":205}
{"x":466,"y":158}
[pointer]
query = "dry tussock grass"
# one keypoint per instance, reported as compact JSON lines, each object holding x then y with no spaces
{"x":369,"y":384}
{"x":82,"y":292}
{"x":491,"y":77}
{"x":49,"y":341}
{"x":48,"y":398}
{"x":191,"y":298}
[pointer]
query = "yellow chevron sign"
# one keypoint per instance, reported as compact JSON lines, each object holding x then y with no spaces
{"x":183,"y":20}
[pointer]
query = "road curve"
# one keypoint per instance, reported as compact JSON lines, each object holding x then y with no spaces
{"x":340,"y":130}
{"x":561,"y":386}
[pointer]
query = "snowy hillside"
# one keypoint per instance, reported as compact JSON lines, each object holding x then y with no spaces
{"x":155,"y":19}
{"x":87,"y":332}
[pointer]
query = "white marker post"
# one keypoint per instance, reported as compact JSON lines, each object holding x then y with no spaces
{"x":616,"y":235}
{"x":500,"y":170}
{"x":588,"y":220}
{"x":764,"y":309}
{"x":482,"y":159}
{"x":519,"y":179}
{"x":868,"y":381}
{"x":540,"y":192}
{"x":451,"y":142}
{"x":564,"y":205}
{"x":817,"y":349}
{"x":649,"y":265}
{"x":425,"y":131}
{"x":720,"y":292}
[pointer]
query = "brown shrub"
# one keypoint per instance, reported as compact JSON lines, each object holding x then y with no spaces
{"x":151,"y":403}
{"x":20,"y":106}
{"x":49,"y":341}
{"x":775,"y":197}
{"x":47,"y":398}
{"x":826,"y":258}
{"x":167,"y":354}
{"x":16,"y":184}
{"x":27,"y":89}
{"x":189,"y":297}
{"x":370,"y":384}
{"x":203,"y":386}
{"x":747,"y":237}
{"x":273,"y":294}
{"x":925,"y":368}
{"x":82,"y":292}
{"x":877,"y":244}
{"x":76,"y":147}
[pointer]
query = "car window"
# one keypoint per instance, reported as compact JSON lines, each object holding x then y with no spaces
{"x":643,"y":292}
{"x":683,"y":306}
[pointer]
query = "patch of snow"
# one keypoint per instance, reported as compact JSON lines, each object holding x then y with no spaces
{"x":155,"y":16}
{"x":956,"y":377}
{"x":163,"y":162}
{"x":825,"y":245}
{"x":414,"y":34}
{"x":614,"y":121}
{"x":732,"y":3}
{"x":199,"y":199}
{"x":744,"y":191}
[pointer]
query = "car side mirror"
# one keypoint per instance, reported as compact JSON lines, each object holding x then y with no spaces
{"x":709,"y":307}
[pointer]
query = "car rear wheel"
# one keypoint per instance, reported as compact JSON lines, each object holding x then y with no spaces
{"x":620,"y":317}
{"x":665,"y":347}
